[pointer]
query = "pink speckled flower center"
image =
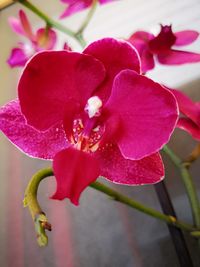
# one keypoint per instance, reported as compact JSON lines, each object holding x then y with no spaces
{"x":86,"y":136}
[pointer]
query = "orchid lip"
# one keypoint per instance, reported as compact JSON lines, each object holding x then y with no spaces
{"x":87,"y":137}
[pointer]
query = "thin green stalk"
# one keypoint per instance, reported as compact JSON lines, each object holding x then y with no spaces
{"x":140,"y":207}
{"x":30,"y":201}
{"x":88,"y":17}
{"x":41,"y":222}
{"x":50,"y":22}
{"x":194,"y":155}
{"x":81,"y":39}
{"x":188,"y":183}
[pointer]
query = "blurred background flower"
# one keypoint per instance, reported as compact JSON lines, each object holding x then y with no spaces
{"x":42,"y":39}
{"x":74,"y":6}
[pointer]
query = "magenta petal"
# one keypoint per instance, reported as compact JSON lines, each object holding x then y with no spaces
{"x":190,"y":127}
{"x":176,"y":57}
{"x":116,"y":55}
{"x":26,"y":25}
{"x":51,"y":79}
{"x":187,"y":106}
{"x":74,"y":171}
{"x":75,"y":6}
{"x":147,"y":112}
{"x":32,"y":142}
{"x":17,"y":58}
{"x":114,"y":167}
{"x":147,"y":60}
{"x":185,"y":37}
{"x":16,"y":26}
{"x":140,"y":36}
{"x":46,"y":39}
{"x":163,"y":41}
{"x":140,"y":41}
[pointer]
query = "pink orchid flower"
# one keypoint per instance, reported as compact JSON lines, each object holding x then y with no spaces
{"x":190,"y":114}
{"x":161,"y":47}
{"x":78,"y":5}
{"x":93,"y":114}
{"x":43,"y":39}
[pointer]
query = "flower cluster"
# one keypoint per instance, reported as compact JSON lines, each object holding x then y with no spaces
{"x":43,"y":39}
{"x":93,"y":114}
{"x":162,"y":46}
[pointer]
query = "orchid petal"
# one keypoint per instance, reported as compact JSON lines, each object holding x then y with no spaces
{"x":116,"y":56}
{"x":147,"y":61}
{"x":117,"y":169}
{"x":32,"y":142}
{"x":52,"y":79}
{"x":75,"y":6}
{"x":176,"y":57}
{"x":17,"y":58}
{"x":186,"y":37}
{"x":46,"y":38}
{"x":140,"y":36}
{"x":163,"y":41}
{"x":16,"y":26}
{"x":26,"y":25}
{"x":140,"y":41}
{"x":112,"y":129}
{"x":74,"y":171}
{"x":190,"y":127}
{"x":147,"y":112}
{"x":71,"y":110}
{"x":187,"y":106}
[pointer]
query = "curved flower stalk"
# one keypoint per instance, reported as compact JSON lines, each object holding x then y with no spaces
{"x":190,"y":114}
{"x":93,"y":114}
{"x":163,"y":47}
{"x":42,"y":39}
{"x":41,"y":222}
{"x":74,"y":6}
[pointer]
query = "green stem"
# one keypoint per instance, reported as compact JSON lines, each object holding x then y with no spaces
{"x":30,"y":200}
{"x":140,"y":207}
{"x":194,"y":155}
{"x":81,"y":40}
{"x":41,"y":222}
{"x":50,"y":22}
{"x":88,"y":17}
{"x":188,"y":183}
